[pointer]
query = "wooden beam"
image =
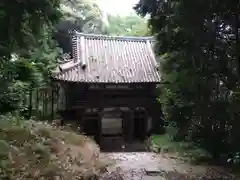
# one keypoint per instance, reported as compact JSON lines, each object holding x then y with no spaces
{"x":103,"y":102}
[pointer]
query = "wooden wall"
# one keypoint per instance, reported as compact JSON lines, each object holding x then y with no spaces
{"x":83,"y":101}
{"x":99,"y":96}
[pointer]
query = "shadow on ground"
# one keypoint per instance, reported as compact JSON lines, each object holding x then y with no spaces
{"x":117,"y":144}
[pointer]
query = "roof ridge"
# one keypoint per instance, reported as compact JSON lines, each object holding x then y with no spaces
{"x":120,"y":38}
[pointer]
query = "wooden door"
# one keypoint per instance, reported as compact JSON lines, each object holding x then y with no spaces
{"x":140,"y":125}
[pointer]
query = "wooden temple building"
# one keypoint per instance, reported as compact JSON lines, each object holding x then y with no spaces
{"x":110,"y":85}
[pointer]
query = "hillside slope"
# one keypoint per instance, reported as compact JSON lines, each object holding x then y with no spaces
{"x":31,"y":150}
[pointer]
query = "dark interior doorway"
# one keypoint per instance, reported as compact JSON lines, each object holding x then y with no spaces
{"x":92,"y":127}
{"x":139,"y":131}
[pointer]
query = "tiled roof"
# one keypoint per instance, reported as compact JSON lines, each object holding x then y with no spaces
{"x":107,"y":59}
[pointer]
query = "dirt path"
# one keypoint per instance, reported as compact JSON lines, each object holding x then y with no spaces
{"x":132,"y":162}
{"x":151,"y":166}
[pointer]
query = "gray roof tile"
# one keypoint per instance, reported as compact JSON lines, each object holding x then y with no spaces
{"x":110,"y":60}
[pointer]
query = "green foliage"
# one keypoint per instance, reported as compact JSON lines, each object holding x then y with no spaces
{"x":83,"y":15}
{"x":131,"y":25}
{"x":11,"y":119}
{"x":198,"y":45}
{"x":22,"y":22}
{"x":27,"y":51}
{"x":181,"y":149}
{"x":86,"y":16}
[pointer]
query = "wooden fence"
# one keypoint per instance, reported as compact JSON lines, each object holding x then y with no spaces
{"x":44,"y":103}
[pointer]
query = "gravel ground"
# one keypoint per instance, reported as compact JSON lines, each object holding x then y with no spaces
{"x":136,"y":165}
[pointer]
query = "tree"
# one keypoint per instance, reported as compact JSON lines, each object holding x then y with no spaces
{"x":26,"y":31}
{"x":81,"y":15}
{"x":22,"y":22}
{"x":131,"y":25}
{"x":198,"y":42}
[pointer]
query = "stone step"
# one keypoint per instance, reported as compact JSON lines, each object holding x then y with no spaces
{"x":153,"y":171}
{"x":153,"y":178}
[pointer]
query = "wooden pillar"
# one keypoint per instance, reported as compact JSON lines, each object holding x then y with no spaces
{"x":30,"y":102}
{"x":37,"y":102}
{"x":145,"y":119}
{"x":52,"y":105}
{"x":79,"y":115}
{"x":100,"y":126}
{"x":151,"y":112}
{"x":130,"y":125}
{"x":124,"y":124}
{"x":101,"y":111}
{"x":44,"y":103}
{"x":66,"y":99}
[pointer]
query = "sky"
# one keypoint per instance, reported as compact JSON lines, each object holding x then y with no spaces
{"x":121,"y":7}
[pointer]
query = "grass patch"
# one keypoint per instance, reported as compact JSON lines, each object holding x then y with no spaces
{"x":186,"y":150}
{"x":36,"y":150}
